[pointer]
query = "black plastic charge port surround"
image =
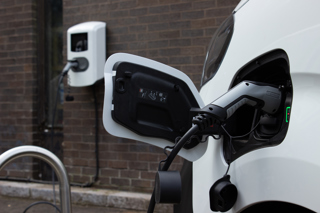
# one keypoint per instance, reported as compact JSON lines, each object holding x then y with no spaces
{"x":152,"y":103}
{"x":270,"y":68}
{"x":223,"y":195}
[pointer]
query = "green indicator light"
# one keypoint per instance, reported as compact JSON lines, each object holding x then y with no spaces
{"x":288,"y":114}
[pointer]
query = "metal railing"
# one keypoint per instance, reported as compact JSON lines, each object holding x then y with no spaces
{"x":52,"y":160}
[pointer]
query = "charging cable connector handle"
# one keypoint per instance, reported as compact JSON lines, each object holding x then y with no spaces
{"x":69,"y":65}
{"x":262,"y":96}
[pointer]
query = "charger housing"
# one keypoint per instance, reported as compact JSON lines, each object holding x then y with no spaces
{"x":86,"y":44}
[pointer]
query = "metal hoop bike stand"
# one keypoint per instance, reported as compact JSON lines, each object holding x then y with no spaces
{"x":52,"y":160}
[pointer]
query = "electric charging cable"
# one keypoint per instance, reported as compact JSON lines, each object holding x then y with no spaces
{"x":71,"y":64}
{"x":259,"y":95}
{"x":193,"y":130}
{"x":96,"y":143}
{"x":68,"y":66}
{"x":200,"y":122}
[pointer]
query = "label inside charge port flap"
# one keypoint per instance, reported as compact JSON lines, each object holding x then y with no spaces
{"x":153,"y":95}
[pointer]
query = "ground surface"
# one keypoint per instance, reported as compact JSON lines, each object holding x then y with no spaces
{"x":18,"y":205}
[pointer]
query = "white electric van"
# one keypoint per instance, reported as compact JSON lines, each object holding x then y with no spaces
{"x":256,"y":145}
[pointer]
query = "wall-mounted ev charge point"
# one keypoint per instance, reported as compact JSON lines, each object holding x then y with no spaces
{"x":86,"y":44}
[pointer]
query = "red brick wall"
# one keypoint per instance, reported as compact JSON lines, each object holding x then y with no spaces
{"x":18,"y":80}
{"x":174,"y":32}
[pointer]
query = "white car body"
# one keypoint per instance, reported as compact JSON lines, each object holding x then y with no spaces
{"x":289,"y":171}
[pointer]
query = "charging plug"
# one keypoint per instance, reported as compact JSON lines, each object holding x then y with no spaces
{"x":69,"y":65}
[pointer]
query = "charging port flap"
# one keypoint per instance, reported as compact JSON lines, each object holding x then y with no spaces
{"x":149,"y":102}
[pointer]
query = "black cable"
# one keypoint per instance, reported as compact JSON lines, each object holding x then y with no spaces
{"x":201,"y":122}
{"x":230,"y":145}
{"x":96,"y":143}
{"x":96,"y":150}
{"x":51,"y":147}
{"x":216,"y":138}
{"x":41,"y":202}
{"x":52,"y":132}
{"x":165,"y":152}
{"x":65,"y":70}
{"x":170,"y":158}
{"x":227,"y":169}
{"x":96,"y":132}
{"x":241,"y":136}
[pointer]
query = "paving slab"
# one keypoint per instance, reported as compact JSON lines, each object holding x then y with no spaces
{"x":19,"y":205}
{"x":93,"y":197}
